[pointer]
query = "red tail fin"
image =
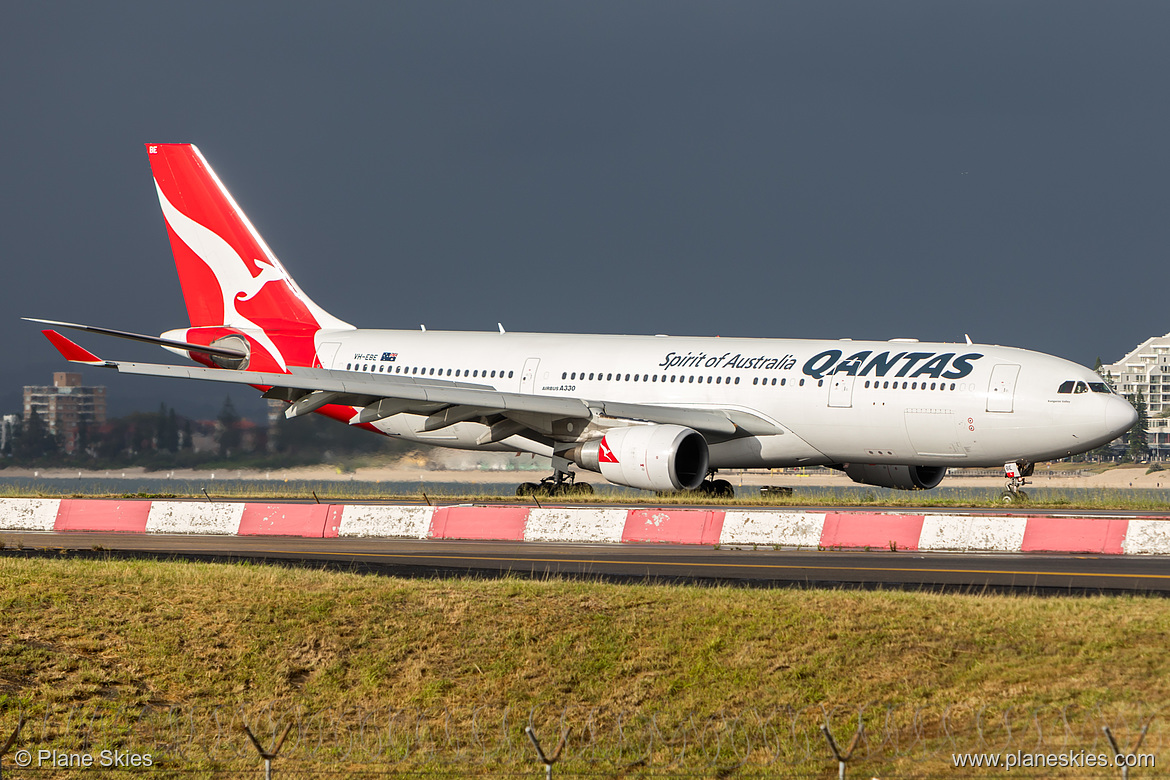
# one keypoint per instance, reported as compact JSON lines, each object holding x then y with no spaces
{"x":229,"y":275}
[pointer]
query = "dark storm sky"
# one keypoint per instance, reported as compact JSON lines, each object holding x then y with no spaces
{"x":827,"y":169}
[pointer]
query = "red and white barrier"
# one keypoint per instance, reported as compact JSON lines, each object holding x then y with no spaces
{"x":673,"y":526}
{"x":29,"y":514}
{"x":776,"y":528}
{"x":406,"y":522}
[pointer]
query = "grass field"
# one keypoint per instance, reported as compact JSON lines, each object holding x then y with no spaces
{"x":948,"y":671}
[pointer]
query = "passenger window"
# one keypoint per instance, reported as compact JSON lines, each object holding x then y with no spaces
{"x":784,"y":381}
{"x":1066,"y":387}
{"x":627,"y":377}
{"x":756,"y":381}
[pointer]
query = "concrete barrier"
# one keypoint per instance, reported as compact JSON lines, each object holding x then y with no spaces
{"x":972,"y":533}
{"x":408,"y":522}
{"x":95,"y":514}
{"x":780,"y":529}
{"x":504,"y":523}
{"x":575,"y":525}
{"x":284,"y":520}
{"x":769,"y":527}
{"x":673,"y":526}
{"x":183,"y":517}
{"x":29,"y":514}
{"x":860,"y":530}
{"x":1147,"y":537}
{"x":1075,"y":534}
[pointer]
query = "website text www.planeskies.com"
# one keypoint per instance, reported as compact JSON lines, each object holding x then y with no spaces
{"x":1070,"y":759}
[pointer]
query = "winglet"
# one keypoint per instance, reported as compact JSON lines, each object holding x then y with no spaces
{"x":72,"y":352}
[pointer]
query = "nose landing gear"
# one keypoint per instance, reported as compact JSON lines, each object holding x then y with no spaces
{"x":1016,"y":473}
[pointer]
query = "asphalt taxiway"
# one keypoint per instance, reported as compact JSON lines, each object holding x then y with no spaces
{"x":632,"y":562}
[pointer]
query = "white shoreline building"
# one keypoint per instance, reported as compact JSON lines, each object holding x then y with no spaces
{"x":1147,"y":369}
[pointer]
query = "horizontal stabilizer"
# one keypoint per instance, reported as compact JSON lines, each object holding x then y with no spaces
{"x":121,"y":334}
{"x":73,"y":352}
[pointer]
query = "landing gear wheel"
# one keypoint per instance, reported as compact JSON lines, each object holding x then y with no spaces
{"x":721,"y":488}
{"x":1013,"y":497}
{"x":559,"y":484}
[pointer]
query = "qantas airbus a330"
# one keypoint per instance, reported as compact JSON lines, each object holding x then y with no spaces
{"x":654,"y":412}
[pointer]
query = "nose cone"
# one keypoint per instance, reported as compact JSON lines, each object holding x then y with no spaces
{"x":1119,"y":416}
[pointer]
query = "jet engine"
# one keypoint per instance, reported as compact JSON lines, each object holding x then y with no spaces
{"x":899,"y":477}
{"x":651,"y":457}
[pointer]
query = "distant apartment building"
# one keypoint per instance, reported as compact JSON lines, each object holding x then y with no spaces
{"x":8,"y":425}
{"x":1147,"y":370}
{"x":65,"y":405}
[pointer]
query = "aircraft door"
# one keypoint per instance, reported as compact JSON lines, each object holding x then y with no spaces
{"x":1001,"y":390}
{"x":326,"y":352}
{"x":528,"y":376}
{"x":841,"y":390}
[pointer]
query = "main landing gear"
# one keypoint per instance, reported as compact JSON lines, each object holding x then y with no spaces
{"x":1016,"y":473}
{"x":561,"y":483}
{"x":716,"y":488}
{"x":711,"y":488}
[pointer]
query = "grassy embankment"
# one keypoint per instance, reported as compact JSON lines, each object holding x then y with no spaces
{"x":95,"y":634}
{"x":1055,"y":498}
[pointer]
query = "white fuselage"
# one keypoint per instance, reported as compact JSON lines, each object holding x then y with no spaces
{"x":830,"y":402}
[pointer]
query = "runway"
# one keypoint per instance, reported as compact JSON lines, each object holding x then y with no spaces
{"x":1049,"y":574}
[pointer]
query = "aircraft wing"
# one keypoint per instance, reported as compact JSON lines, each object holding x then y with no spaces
{"x":446,"y":402}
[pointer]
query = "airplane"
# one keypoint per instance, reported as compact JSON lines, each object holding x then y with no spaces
{"x":659,"y":413}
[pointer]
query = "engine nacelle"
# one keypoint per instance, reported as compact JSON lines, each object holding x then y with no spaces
{"x":898,"y":477}
{"x":650,"y":457}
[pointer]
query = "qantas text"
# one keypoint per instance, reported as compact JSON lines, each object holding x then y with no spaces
{"x":946,"y":365}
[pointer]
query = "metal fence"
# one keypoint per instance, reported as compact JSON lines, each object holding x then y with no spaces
{"x":888,"y":740}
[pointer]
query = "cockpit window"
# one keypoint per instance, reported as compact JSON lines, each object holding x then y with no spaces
{"x":1099,"y":387}
{"x":1081,"y":388}
{"x":1066,"y":387}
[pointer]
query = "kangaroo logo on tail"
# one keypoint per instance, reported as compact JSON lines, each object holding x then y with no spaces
{"x":210,"y":238}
